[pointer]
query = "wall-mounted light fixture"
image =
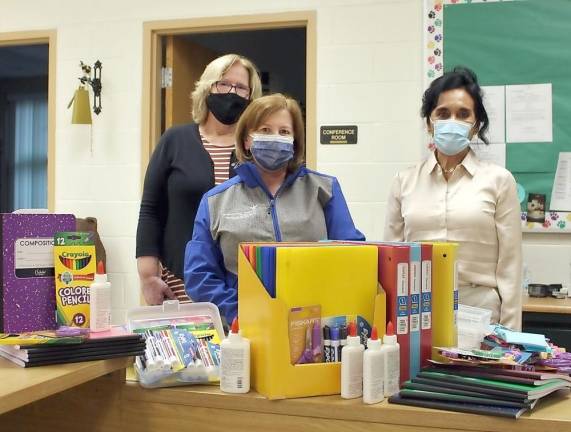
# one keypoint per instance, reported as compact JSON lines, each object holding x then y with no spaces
{"x":81,"y":110}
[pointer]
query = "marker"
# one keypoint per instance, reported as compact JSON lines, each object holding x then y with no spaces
{"x":343,"y":339}
{"x":327,"y":344}
{"x":335,"y":344}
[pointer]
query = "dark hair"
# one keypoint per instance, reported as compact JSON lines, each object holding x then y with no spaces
{"x":459,"y":77}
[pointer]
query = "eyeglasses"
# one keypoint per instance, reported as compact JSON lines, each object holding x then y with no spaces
{"x":239,"y":89}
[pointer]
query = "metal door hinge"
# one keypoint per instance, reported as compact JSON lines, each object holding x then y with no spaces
{"x":166,"y":77}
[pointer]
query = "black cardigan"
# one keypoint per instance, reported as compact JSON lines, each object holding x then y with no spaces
{"x":179,"y":173}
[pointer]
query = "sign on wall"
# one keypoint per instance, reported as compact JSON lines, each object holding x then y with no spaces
{"x":338,"y":135}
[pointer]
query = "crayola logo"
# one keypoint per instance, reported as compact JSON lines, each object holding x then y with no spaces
{"x":75,"y":263}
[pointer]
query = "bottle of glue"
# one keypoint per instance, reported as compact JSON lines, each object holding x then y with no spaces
{"x":373,"y":370}
{"x":235,"y":362}
{"x":391,"y":352}
{"x":100,"y":301}
{"x":352,"y":365}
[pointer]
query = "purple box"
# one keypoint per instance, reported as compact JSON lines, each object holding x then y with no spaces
{"x":27,"y":290}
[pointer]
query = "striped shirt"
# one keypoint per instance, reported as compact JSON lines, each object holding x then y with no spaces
{"x":220,"y":155}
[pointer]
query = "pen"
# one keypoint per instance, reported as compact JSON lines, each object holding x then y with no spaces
{"x":335,"y":344}
{"x":327,"y":344}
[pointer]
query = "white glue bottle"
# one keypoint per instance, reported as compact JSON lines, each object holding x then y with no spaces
{"x":391,"y":352}
{"x":352,"y":365}
{"x":373,"y":370}
{"x":235,"y":362}
{"x":100,"y":301}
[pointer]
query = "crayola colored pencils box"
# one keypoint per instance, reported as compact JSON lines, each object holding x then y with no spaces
{"x":75,"y":266}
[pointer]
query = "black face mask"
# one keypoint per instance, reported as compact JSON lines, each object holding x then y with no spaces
{"x":226,"y":107}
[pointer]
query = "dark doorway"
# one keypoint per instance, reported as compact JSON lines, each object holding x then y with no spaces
{"x":23,"y":127}
{"x":279,"y":54}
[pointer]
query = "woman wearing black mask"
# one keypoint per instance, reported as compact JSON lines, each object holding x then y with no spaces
{"x":188,"y":161}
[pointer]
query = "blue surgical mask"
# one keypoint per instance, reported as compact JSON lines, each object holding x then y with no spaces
{"x":272,"y":152}
{"x":451,"y":136}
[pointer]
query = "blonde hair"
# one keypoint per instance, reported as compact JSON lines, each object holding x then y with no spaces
{"x":257,"y":112}
{"x":214,"y":72}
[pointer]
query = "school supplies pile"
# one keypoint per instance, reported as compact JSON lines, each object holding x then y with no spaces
{"x":506,"y":377}
{"x":182,"y":343}
{"x":46,"y":348}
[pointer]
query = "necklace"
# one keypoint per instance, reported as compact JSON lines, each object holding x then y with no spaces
{"x":449,"y":170}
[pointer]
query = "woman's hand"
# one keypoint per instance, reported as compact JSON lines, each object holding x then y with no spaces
{"x":155,"y":290}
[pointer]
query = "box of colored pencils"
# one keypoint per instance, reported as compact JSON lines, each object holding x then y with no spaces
{"x":182,"y":343}
{"x":75,"y":266}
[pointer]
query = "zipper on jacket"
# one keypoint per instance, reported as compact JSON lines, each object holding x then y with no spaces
{"x":275,"y":222}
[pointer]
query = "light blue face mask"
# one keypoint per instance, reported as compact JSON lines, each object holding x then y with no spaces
{"x":451,"y":136}
{"x":272,"y":152}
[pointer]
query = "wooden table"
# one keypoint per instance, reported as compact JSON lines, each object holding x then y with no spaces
{"x":104,"y":405}
{"x":19,"y":386}
{"x":547,"y":305}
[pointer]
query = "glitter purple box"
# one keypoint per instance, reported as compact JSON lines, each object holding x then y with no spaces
{"x":27,"y":291}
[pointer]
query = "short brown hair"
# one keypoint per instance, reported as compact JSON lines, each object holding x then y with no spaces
{"x":257,"y":112}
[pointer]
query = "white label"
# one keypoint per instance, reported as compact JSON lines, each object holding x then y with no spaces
{"x":426,"y":296}
{"x":392,"y":372}
{"x":232,"y":368}
{"x":34,"y":257}
{"x":415,"y":297}
{"x":402,"y":298}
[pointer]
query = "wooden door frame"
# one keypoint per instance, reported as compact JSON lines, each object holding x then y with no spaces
{"x":38,"y":37}
{"x":154,"y":30}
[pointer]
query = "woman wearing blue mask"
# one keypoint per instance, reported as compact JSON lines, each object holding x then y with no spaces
{"x":454,"y":196}
{"x":273,"y":197}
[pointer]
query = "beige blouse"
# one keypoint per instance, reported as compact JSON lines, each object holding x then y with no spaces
{"x":477,"y":208}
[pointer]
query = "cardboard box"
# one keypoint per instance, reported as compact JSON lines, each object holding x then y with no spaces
{"x":75,"y":267}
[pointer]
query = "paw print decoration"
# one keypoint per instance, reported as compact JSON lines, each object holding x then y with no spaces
{"x":554,"y":216}
{"x":431,"y":14}
{"x":561,"y":224}
{"x":437,"y":52}
{"x":431,"y":29}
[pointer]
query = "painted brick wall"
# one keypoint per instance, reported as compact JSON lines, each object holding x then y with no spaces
{"x":369,"y":74}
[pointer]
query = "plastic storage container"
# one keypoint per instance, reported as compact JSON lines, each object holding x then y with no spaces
{"x":473,"y":325}
{"x":172,"y":312}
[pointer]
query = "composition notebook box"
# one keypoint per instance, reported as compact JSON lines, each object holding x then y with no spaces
{"x":340,"y":278}
{"x":27,"y":292}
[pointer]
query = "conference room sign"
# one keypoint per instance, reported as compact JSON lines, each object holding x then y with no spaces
{"x":338,"y":135}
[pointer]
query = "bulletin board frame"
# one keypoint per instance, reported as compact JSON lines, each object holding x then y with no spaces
{"x":434,"y":64}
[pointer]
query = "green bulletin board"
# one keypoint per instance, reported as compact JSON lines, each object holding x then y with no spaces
{"x":519,"y":42}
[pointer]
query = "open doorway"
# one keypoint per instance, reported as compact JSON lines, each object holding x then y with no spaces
{"x":282,"y":45}
{"x":279,"y":54}
{"x":24,"y":126}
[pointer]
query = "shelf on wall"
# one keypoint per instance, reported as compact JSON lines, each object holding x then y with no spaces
{"x":555,"y":222}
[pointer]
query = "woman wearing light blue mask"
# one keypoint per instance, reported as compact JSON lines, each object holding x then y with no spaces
{"x":273,"y":197}
{"x":454,"y":196}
